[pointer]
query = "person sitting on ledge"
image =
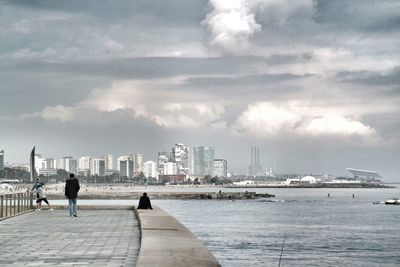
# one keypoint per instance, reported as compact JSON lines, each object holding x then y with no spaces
{"x":144,"y":202}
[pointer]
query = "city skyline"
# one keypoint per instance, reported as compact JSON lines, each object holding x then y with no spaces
{"x":314,"y":83}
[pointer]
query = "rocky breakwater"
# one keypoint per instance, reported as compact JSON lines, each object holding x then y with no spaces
{"x":166,"y":195}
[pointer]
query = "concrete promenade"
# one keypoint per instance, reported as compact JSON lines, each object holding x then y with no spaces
{"x":167,"y":243}
{"x":52,"y":238}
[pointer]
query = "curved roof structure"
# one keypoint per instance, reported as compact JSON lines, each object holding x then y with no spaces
{"x":364,"y":173}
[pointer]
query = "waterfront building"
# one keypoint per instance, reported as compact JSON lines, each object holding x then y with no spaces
{"x":40,"y":162}
{"x":50,"y":163}
{"x":220,"y":168}
{"x":109,"y":161}
{"x":1,"y":163}
{"x":163,"y":157}
{"x":98,"y":167}
{"x":138,"y":164}
{"x":170,"y":168}
{"x":84,"y":166}
{"x":125,"y":166}
{"x":69,"y":164}
{"x":180,"y":155}
{"x":202,"y":161}
{"x":255,"y":168}
{"x":150,"y":169}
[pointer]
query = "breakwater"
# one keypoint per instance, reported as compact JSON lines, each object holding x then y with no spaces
{"x":167,"y":195}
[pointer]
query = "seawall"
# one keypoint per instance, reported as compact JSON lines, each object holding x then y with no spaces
{"x":166,"y":242}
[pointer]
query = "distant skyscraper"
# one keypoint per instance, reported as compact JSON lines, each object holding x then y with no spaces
{"x":220,"y":168}
{"x":69,"y":164}
{"x":85,"y":165}
{"x":109,"y":161}
{"x":163,"y":157}
{"x":138,"y":164}
{"x":125,"y":165}
{"x":1,"y":163}
{"x":150,"y":169}
{"x":180,"y":154}
{"x":255,"y":168}
{"x":50,"y":163}
{"x":203,"y":160}
{"x":98,"y":167}
{"x":170,"y":168}
{"x":40,"y":163}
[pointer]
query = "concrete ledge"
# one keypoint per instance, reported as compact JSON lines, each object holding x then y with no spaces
{"x":93,"y":207}
{"x":166,"y":242}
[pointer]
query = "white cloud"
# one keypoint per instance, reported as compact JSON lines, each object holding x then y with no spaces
{"x":265,"y":119}
{"x":231,"y":24}
{"x":166,"y":108}
{"x":337,"y":125}
{"x":59,"y":112}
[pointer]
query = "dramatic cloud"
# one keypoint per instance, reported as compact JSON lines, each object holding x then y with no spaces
{"x":266,"y":119}
{"x":308,"y":77}
{"x":231,"y":24}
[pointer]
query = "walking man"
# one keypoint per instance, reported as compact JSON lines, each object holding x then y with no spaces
{"x":71,"y":192}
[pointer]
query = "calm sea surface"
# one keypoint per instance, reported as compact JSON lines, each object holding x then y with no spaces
{"x":320,"y":231}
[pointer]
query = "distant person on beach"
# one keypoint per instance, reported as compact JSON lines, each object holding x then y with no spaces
{"x":40,"y":195}
{"x":71,"y":192}
{"x":144,"y":202}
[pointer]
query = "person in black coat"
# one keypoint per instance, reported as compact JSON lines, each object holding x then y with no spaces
{"x":144,"y":202}
{"x":71,"y":192}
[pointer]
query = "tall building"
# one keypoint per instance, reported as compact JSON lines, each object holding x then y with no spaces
{"x":220,"y":168}
{"x":255,"y":168}
{"x":85,"y":165}
{"x":40,"y":163}
{"x":125,"y":166}
{"x":50,"y":163}
{"x":69,"y":164}
{"x":163,"y":157}
{"x":150,"y":169}
{"x":98,"y":167}
{"x":1,"y":163}
{"x":170,"y":168}
{"x":180,"y":155}
{"x":138,"y":164}
{"x":203,"y":160}
{"x":109,"y":161}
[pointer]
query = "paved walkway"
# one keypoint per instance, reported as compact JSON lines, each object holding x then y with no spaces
{"x":52,"y":238}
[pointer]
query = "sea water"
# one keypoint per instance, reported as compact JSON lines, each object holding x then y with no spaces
{"x":317,"y":230}
{"x":338,"y":230}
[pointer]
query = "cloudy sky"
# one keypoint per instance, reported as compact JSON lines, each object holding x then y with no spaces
{"x":314,"y":84}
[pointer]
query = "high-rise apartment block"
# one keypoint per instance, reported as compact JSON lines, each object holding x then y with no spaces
{"x":180,"y":155}
{"x":109,"y":161}
{"x":69,"y":164}
{"x":163,"y":157}
{"x":98,"y":167}
{"x":1,"y":163}
{"x":170,"y":168}
{"x":150,"y":169}
{"x":125,"y":165}
{"x":220,"y":168}
{"x":138,"y":164}
{"x":203,"y":161}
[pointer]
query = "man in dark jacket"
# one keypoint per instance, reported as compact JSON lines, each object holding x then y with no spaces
{"x":71,"y":192}
{"x":144,"y":202}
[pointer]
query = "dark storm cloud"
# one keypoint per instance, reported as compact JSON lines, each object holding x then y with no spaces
{"x":392,"y":77}
{"x":143,"y":12}
{"x":249,"y":80}
{"x":359,"y":15}
{"x":155,"y":67}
